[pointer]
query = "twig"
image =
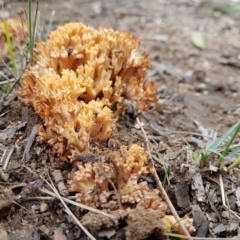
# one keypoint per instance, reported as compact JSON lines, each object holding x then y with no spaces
{"x":58,"y":178}
{"x":29,"y":143}
{"x":8,"y":68}
{"x":223,"y":197}
{"x":6,"y":156}
{"x":164,"y":194}
{"x":13,"y":86}
{"x":80,"y":205}
{"x":113,"y":186}
{"x":69,"y":212}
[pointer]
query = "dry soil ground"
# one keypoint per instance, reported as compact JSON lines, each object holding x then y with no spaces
{"x":199,"y":90}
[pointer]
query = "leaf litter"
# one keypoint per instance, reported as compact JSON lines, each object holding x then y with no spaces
{"x":166,"y":127}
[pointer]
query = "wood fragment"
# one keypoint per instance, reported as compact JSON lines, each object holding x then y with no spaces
{"x":58,"y":178}
{"x":6,"y":157}
{"x":31,"y":139}
{"x":69,"y":212}
{"x":88,"y":157}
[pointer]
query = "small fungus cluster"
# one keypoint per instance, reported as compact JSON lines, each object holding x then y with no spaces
{"x":78,"y":81}
{"x":92,"y":181}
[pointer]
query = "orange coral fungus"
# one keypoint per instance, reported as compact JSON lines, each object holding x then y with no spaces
{"x":92,"y":181}
{"x":78,"y":81}
{"x":170,"y":224}
{"x":17,"y":32}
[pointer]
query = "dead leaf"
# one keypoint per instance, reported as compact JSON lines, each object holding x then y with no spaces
{"x":58,"y":234}
{"x":182,"y":195}
{"x":197,"y":185}
{"x":108,"y":233}
{"x":198,"y":40}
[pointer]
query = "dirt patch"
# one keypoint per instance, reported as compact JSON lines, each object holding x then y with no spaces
{"x":198,"y":91}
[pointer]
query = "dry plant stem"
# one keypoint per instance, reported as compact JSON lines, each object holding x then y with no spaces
{"x":73,"y":202}
{"x":222,"y":189}
{"x":204,"y":238}
{"x":23,"y":207}
{"x":114,"y":188}
{"x":6,"y":156}
{"x":57,"y":195}
{"x":177,"y":132}
{"x":29,"y":143}
{"x":13,"y":86}
{"x":70,"y":201}
{"x":80,"y":205}
{"x":69,"y":212}
{"x":8,"y":68}
{"x":164,"y":194}
{"x":223,"y":198}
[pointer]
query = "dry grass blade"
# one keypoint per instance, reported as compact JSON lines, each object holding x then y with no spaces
{"x":223,"y":198}
{"x":164,"y":194}
{"x":114,"y":188}
{"x":6,"y":156}
{"x":72,"y":202}
{"x":69,"y":212}
{"x":204,"y":238}
{"x":80,"y":205}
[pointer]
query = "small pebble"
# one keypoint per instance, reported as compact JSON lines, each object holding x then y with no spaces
{"x":235,"y":87}
{"x":4,"y":176}
{"x":225,"y":214}
{"x":63,"y":226}
{"x":44,"y":229}
{"x":43,"y":207}
{"x":201,"y":87}
{"x":3,"y":233}
{"x":211,"y":225}
{"x":35,"y":207}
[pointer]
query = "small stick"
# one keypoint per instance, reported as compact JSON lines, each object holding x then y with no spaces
{"x":113,"y":186}
{"x":81,"y":205}
{"x":69,"y":212}
{"x":29,"y":143}
{"x":164,"y":194}
{"x":6,"y":156}
{"x":58,"y":178}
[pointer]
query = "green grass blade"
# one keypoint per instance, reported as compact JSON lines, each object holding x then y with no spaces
{"x":234,"y":164}
{"x":5,"y":87}
{"x":10,"y":47}
{"x":169,"y":234}
{"x":191,"y":150}
{"x":216,"y":152}
{"x":203,"y":159}
{"x":233,"y":153}
{"x":31,"y":31}
{"x":220,"y":160}
{"x":217,"y":143}
{"x":48,"y":30}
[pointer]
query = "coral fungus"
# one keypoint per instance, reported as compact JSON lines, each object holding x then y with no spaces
{"x":93,"y":184}
{"x":78,"y":81}
{"x":91,"y":181}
